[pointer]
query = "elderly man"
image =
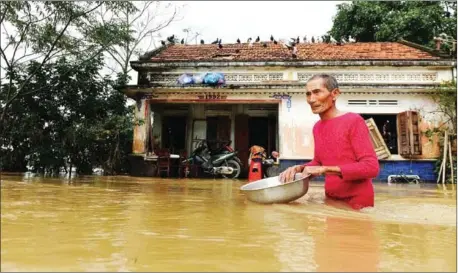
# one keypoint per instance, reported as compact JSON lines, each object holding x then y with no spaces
{"x":343,"y":149}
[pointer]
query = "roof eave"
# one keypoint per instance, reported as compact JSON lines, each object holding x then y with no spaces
{"x":145,"y":65}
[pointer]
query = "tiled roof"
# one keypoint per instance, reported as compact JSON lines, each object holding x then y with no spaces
{"x":305,"y":52}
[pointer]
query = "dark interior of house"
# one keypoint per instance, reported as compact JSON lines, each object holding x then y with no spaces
{"x":389,"y":134}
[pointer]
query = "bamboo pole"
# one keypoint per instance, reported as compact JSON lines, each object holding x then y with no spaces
{"x":451,"y":160}
{"x":440,"y":172}
{"x":444,"y":158}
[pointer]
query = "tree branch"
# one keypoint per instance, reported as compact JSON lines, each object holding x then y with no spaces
{"x":3,"y":14}
{"x":145,"y":7}
{"x":66,"y":72}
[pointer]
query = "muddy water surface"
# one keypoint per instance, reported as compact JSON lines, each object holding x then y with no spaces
{"x":140,"y":224}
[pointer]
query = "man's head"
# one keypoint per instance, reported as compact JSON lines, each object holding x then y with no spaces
{"x":322,"y":93}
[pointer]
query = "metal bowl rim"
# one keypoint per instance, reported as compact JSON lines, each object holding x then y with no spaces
{"x":271,"y":187}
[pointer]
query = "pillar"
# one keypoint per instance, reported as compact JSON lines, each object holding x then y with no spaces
{"x":142,"y":129}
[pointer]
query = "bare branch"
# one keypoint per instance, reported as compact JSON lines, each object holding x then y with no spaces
{"x":113,"y":70}
{"x":25,"y":56}
{"x":2,"y":52}
{"x":20,"y":41}
{"x":116,"y":59}
{"x":145,"y":8}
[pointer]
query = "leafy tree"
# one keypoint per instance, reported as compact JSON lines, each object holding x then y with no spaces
{"x":44,"y":31}
{"x":414,"y":21}
{"x":81,"y":120}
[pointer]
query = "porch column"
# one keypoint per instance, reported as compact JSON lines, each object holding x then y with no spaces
{"x":141,"y":131}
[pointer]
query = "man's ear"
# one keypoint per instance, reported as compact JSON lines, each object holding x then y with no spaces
{"x":335,"y":94}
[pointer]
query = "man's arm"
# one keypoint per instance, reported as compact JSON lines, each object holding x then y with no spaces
{"x":367,"y":165}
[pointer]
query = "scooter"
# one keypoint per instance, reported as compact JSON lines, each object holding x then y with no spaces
{"x":270,"y":166}
{"x":222,"y":161}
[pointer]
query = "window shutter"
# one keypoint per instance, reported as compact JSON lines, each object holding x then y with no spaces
{"x":408,"y":134}
{"x":379,"y":144}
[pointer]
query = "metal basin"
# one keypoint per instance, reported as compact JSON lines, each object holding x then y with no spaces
{"x":270,"y":190}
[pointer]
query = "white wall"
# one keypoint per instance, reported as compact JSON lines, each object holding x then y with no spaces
{"x":295,"y":129}
{"x":417,"y":102}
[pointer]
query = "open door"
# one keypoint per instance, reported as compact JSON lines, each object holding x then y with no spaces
{"x":218,"y":129}
{"x":379,"y":144}
{"x":409,"y":144}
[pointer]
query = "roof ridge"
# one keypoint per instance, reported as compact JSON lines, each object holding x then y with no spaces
{"x":269,"y":42}
{"x":393,"y":50}
{"x":424,"y":48}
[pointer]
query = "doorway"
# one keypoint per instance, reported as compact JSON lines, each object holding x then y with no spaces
{"x":218,"y":129}
{"x":262,"y":132}
{"x":174,"y":133}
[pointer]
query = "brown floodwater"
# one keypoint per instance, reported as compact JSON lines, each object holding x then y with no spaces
{"x":122,"y":223}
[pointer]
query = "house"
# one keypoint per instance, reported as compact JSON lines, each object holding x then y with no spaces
{"x":263,"y":101}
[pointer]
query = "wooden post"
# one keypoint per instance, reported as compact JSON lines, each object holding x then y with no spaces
{"x":444,"y":158}
{"x":440,"y":172}
{"x":451,"y":160}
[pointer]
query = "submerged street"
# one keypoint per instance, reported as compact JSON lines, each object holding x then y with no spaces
{"x":126,"y":223}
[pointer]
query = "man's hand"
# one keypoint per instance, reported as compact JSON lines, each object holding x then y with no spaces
{"x":288,"y":175}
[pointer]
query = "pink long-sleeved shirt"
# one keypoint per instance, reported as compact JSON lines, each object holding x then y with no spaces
{"x":344,"y":141}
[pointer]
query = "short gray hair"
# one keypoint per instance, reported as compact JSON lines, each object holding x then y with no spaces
{"x":329,"y":81}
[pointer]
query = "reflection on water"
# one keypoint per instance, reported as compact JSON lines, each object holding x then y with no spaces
{"x":141,"y":224}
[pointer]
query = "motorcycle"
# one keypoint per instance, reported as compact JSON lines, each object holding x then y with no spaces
{"x":221,"y":161}
{"x":270,"y":167}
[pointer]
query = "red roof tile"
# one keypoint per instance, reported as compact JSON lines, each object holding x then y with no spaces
{"x":305,"y":52}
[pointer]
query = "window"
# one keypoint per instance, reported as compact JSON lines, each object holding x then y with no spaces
{"x":400,"y":132}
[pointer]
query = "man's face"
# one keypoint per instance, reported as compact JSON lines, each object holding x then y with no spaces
{"x":319,"y":97}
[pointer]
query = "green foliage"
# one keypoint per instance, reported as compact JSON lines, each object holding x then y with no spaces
{"x":56,"y":109}
{"x":414,"y":21}
{"x":80,"y":119}
{"x":445,"y":98}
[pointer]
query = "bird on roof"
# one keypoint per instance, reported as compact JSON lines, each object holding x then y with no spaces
{"x":220,"y":46}
{"x":238,"y":41}
{"x":163,"y":42}
{"x":171,"y":39}
{"x":257,"y":39}
{"x":304,"y":39}
{"x":215,"y":42}
{"x":250,"y":42}
{"x":182,"y":41}
{"x":272,"y":38}
{"x":313,"y":40}
{"x":334,"y":41}
{"x":298,"y":40}
{"x":202,"y":41}
{"x":275,"y":42}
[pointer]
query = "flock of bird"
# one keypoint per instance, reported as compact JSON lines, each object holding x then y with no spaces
{"x":291,"y":45}
{"x":322,"y":39}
